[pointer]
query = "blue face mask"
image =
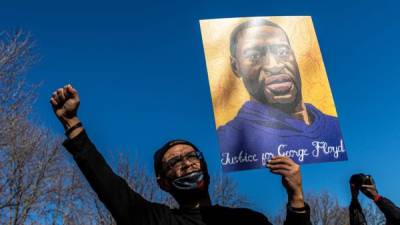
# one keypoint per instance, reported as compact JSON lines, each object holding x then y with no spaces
{"x":191,"y":181}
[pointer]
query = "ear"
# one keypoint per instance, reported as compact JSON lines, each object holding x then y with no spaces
{"x":164,"y":184}
{"x":234,"y":66}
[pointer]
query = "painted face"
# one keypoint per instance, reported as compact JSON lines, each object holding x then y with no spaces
{"x":265,"y":61}
{"x":181,"y":160}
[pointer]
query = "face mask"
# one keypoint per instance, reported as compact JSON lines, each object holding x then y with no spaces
{"x":192,"y":181}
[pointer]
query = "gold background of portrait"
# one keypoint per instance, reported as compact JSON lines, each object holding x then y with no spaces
{"x":228,"y":92}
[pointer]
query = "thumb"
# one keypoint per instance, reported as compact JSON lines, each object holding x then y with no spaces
{"x":366,"y":186}
{"x":72,"y":91}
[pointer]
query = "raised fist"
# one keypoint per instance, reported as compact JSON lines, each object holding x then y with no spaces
{"x":65,"y":103}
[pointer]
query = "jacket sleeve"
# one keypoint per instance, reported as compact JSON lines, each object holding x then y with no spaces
{"x":295,"y":218}
{"x":390,"y":210}
{"x":356,"y":214}
{"x":125,"y":205}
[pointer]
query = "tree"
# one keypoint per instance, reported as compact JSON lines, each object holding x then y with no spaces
{"x":325,"y":209}
{"x":224,"y":192}
{"x":37,"y":184}
{"x":373,"y":215}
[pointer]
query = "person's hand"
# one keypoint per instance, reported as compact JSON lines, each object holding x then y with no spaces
{"x":65,"y":102}
{"x":291,"y":179}
{"x":369,"y":190}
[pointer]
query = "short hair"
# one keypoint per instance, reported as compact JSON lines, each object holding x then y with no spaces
{"x":257,"y":22}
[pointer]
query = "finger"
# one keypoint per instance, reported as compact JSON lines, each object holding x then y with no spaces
{"x":279,"y":157}
{"x":289,"y":160}
{"x":56,"y":97}
{"x":63,"y":94}
{"x":276,"y":160}
{"x":65,"y":91}
{"x":53,"y":102}
{"x":60,"y":95}
{"x":281,"y":160}
{"x":72,"y":91}
{"x":279,"y":166}
{"x":284,"y":173}
{"x":366,"y":186}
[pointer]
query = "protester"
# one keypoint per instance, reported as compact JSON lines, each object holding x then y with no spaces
{"x":365,"y":184}
{"x":180,"y":170}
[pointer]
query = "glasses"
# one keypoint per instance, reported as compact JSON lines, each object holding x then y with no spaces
{"x":178,"y":161}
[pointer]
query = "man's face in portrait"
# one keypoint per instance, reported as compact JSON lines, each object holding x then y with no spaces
{"x":266,"y":63}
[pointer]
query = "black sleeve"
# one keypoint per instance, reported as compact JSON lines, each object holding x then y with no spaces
{"x":295,"y":218}
{"x":125,"y":205}
{"x":390,"y":210}
{"x":232,"y":216}
{"x":356,"y":214}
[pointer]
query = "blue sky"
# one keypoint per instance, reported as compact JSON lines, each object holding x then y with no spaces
{"x":141,"y":73}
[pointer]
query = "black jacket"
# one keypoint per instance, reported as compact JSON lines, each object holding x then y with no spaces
{"x":128,"y":207}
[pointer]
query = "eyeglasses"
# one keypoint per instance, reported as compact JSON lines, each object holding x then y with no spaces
{"x":178,"y":161}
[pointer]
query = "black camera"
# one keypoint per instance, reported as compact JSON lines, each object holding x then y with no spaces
{"x":361,"y":179}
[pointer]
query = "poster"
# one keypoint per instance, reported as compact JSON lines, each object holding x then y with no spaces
{"x":270,"y":92}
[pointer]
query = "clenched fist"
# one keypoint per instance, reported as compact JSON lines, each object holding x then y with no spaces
{"x":65,"y":102}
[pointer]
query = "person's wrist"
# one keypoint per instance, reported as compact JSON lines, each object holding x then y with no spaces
{"x":296,"y":199}
{"x":69,"y":123}
{"x":72,"y":127}
{"x":374,"y":195}
{"x":301,"y":210}
{"x":75,"y":132}
{"x":377,"y":198}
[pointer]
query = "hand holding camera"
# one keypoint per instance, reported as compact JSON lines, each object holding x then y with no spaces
{"x":365,"y":184}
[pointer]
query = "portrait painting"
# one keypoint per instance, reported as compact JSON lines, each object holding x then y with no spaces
{"x":270,"y":92}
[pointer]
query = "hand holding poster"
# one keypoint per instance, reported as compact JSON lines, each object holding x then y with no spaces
{"x":270,"y":92}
